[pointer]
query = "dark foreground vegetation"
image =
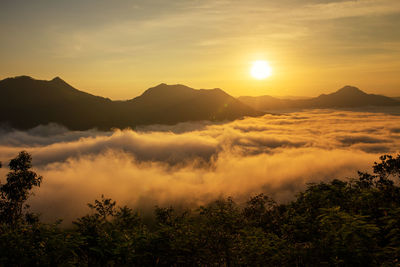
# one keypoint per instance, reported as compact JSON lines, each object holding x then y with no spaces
{"x":340,"y":223}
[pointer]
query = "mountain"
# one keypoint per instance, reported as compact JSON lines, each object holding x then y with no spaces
{"x":291,"y":97}
{"x":350,"y":96}
{"x":26,"y":103}
{"x":346,"y":97}
{"x":266,"y":102}
{"x":175,"y":103}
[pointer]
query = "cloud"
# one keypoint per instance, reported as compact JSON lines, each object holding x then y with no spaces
{"x":44,"y":135}
{"x":69,"y":185}
{"x":395,"y":130}
{"x":192,"y":163}
{"x":111,"y":41}
{"x":345,"y":9}
{"x":355,"y":139}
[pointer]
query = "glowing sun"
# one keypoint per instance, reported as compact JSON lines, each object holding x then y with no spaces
{"x":260,"y":70}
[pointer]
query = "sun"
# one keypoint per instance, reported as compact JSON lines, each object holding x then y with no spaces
{"x":260,"y":70}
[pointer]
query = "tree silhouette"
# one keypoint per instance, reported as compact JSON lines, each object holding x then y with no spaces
{"x":14,"y":193}
{"x":352,"y":222}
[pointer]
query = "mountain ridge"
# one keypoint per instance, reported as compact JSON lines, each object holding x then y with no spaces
{"x":28,"y":102}
{"x":346,"y":97}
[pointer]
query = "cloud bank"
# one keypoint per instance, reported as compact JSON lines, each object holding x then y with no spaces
{"x":192,"y":163}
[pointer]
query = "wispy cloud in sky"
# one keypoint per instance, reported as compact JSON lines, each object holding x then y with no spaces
{"x":118,"y":49}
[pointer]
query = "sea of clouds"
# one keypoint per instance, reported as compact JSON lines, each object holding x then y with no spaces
{"x":193,"y":163}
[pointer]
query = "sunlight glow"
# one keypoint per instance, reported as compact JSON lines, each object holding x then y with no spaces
{"x":260,"y":70}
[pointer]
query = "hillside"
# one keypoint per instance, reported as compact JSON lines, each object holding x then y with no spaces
{"x":346,"y":97}
{"x":266,"y":102}
{"x":27,"y":102}
{"x":176,"y":103}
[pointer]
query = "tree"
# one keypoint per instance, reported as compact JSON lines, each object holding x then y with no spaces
{"x":15,"y":192}
{"x":388,"y":166}
{"x":336,"y":223}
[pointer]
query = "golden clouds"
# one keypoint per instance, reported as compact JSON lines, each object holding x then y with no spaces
{"x":191,"y":163}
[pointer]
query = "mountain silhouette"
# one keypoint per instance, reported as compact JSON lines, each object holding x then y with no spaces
{"x":346,"y":97}
{"x":266,"y":102}
{"x":175,"y":103}
{"x":26,"y":103}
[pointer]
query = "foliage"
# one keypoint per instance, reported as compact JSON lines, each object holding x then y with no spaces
{"x":336,"y":223}
{"x":13,"y":194}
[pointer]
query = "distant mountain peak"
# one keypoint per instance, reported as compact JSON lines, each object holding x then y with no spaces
{"x":179,"y":90}
{"x":164,"y":85}
{"x":22,"y":77}
{"x":164,"y":88}
{"x":216,"y":91}
{"x":29,"y":102}
{"x":346,"y":97}
{"x":348,"y":89}
{"x":25,"y":78}
{"x":161,"y":85}
{"x":58,"y":81}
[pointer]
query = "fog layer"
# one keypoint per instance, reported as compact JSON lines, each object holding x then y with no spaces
{"x":192,"y":163}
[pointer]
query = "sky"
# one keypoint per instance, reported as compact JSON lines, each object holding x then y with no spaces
{"x":119,"y":48}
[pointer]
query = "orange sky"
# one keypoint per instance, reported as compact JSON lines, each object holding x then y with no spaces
{"x":118,"y":49}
